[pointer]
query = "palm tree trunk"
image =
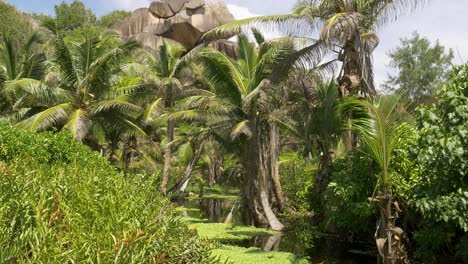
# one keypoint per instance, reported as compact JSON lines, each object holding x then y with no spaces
{"x":215,"y":165}
{"x":389,"y":238}
{"x":323,"y":175}
{"x":349,"y":81}
{"x":188,"y":172}
{"x":274,"y":165}
{"x":167,"y":157}
{"x":256,"y":206}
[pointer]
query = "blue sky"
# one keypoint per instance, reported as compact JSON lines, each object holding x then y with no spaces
{"x":445,"y":20}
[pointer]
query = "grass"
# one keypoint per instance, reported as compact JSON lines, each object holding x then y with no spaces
{"x":233,"y":254}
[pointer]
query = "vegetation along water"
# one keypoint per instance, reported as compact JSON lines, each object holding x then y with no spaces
{"x":178,"y":134}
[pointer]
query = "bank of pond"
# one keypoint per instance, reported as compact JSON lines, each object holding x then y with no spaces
{"x":216,"y":217}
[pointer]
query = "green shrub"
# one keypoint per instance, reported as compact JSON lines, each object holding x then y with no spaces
{"x":441,"y":153}
{"x":297,"y":178}
{"x":62,"y":203}
{"x":15,"y":25}
{"x":352,"y":183}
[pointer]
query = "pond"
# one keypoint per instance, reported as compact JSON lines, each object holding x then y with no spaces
{"x":302,"y":238}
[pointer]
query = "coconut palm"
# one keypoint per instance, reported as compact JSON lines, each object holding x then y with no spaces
{"x":382,"y":132}
{"x":162,"y":75}
{"x":346,"y":26}
{"x":86,"y":102}
{"x":240,"y":107}
{"x":29,"y":65}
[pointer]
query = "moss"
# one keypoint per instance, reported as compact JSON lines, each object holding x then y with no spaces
{"x":228,"y":232}
{"x":233,"y":254}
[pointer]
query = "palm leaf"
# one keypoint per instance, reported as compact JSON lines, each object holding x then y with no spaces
{"x":78,"y":124}
{"x":242,"y":128}
{"x":47,"y":119}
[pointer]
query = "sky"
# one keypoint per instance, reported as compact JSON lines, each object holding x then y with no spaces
{"x":443,"y":20}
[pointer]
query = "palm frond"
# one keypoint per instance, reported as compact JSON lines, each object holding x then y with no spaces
{"x":78,"y":124}
{"x":382,"y":130}
{"x":385,"y":11}
{"x":223,"y":74}
{"x":53,"y":117}
{"x":341,"y":26}
{"x":9,"y":58}
{"x":153,"y":110}
{"x":119,"y":104}
{"x":242,"y":128}
{"x":234,"y":28}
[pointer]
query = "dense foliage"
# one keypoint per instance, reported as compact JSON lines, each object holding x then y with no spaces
{"x":61,"y":203}
{"x":15,"y":25}
{"x":442,"y":154}
{"x":421,"y":68}
{"x":109,"y":20}
{"x":73,"y":16}
{"x":267,"y":122}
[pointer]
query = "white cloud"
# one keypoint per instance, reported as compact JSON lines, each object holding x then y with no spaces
{"x":240,"y":12}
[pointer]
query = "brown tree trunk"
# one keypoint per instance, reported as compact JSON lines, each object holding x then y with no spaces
{"x":189,"y":170}
{"x":389,"y":238}
{"x":274,"y":165}
{"x":167,"y":157}
{"x":256,"y":206}
{"x":322,"y":178}
{"x":215,"y":166}
{"x":349,"y":82}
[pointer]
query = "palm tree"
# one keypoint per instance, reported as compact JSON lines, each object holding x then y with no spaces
{"x":27,"y":65}
{"x":85,"y":101}
{"x":382,"y":132}
{"x":312,"y":116}
{"x":321,"y":127}
{"x":163,"y":77}
{"x":346,"y":26}
{"x":241,"y":107}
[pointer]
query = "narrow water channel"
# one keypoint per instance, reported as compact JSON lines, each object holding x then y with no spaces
{"x":302,"y":238}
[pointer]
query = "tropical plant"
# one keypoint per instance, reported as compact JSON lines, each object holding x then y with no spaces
{"x":29,"y":66}
{"x":85,"y":100}
{"x":346,"y":25}
{"x":68,"y":204}
{"x":241,"y":107}
{"x":162,"y":84}
{"x":442,"y":158}
{"x":382,"y":133}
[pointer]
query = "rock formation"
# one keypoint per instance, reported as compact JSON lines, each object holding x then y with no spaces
{"x":177,"y":22}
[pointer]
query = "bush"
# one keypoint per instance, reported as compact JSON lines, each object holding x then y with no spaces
{"x":15,"y":25}
{"x":352,"y":183}
{"x":62,"y":203}
{"x":297,"y":177}
{"x":442,"y":155}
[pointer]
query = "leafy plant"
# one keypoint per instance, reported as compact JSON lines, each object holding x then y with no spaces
{"x":62,"y":203}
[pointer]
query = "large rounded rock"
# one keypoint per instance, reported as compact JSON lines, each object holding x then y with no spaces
{"x":194,"y":4}
{"x":167,"y":8}
{"x":161,"y":9}
{"x":181,"y":22}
